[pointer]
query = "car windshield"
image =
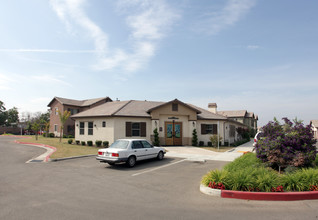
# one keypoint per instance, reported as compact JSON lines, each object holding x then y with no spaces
{"x":119,"y":144}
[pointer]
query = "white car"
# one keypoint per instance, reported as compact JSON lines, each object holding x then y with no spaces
{"x":129,"y":151}
{"x":256,"y":138}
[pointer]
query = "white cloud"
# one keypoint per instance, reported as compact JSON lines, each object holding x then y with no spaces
{"x":253,"y":47}
{"x":148,"y":22}
{"x":41,"y":100}
{"x":50,"y":79}
{"x":46,"y":51}
{"x":5,"y":82}
{"x":231,"y":13}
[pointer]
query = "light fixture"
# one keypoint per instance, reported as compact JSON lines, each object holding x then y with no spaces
{"x":193,"y":123}
{"x":156,"y":123}
{"x":76,"y":125}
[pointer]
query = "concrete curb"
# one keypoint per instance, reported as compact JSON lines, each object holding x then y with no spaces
{"x":70,"y":158}
{"x":43,"y":157}
{"x":265,"y":196}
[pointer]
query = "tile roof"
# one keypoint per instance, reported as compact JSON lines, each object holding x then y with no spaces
{"x":232,"y":114}
{"x":81,"y":103}
{"x":314,"y":123}
{"x":250,"y":115}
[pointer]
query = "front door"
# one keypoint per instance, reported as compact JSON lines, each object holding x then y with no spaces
{"x":173,"y":133}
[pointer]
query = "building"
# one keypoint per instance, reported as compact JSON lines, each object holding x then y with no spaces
{"x":314,"y":127}
{"x":243,"y":116}
{"x":74,"y":106}
{"x":174,"y":120}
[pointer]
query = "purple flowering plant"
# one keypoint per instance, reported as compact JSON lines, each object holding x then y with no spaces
{"x":289,"y":144}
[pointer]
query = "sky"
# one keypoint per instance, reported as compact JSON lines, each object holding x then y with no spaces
{"x":254,"y":55}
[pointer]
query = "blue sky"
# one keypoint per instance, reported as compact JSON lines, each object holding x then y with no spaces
{"x":258,"y":55}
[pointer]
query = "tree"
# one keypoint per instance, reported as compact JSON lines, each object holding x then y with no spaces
{"x":194,"y":138}
{"x":12,"y":116}
{"x":63,"y":117}
{"x":156,"y":141}
{"x":36,"y":127}
{"x":47,"y":127}
{"x":3,"y":114}
{"x":290,"y":144}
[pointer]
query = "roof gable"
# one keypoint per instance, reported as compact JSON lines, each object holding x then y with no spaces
{"x":175,"y":101}
{"x":79,"y":103}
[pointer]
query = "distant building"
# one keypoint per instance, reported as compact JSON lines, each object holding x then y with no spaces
{"x":248,"y":118}
{"x":74,"y":106}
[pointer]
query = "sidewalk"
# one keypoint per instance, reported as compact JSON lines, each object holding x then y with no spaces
{"x":199,"y":154}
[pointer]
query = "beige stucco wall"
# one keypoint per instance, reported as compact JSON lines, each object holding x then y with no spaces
{"x":120,"y":127}
{"x":167,"y":110}
{"x":206,"y":137}
{"x":99,"y":132}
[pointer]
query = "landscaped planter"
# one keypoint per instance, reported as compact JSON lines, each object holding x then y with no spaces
{"x":267,"y":196}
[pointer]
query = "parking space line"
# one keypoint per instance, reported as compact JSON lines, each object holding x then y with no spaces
{"x":147,"y":171}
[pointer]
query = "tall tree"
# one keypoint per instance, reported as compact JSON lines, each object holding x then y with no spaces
{"x":12,"y":116}
{"x":3,"y":114}
{"x":63,"y":117}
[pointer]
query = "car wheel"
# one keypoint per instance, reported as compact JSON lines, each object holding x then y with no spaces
{"x":160,"y":155}
{"x":131,"y":161}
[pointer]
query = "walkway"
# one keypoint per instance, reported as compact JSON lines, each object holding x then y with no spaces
{"x":199,"y":154}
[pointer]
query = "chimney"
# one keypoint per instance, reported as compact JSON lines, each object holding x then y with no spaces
{"x":212,"y":107}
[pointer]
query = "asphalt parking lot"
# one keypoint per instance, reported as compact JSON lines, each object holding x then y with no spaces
{"x":86,"y":189}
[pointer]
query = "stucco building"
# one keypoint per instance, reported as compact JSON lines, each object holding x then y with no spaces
{"x":174,"y":120}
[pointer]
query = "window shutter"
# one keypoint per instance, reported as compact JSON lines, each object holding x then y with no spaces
{"x":215,"y":129}
{"x":128,"y":129}
{"x":143,"y":127}
{"x":203,"y":128}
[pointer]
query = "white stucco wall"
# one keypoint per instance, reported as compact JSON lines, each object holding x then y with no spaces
{"x":99,"y":132}
{"x":206,"y":137}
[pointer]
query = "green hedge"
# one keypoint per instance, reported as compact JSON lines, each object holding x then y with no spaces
{"x":248,"y":173}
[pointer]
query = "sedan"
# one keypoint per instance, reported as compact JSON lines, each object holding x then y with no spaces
{"x":129,"y":151}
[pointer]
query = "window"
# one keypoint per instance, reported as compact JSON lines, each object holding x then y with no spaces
{"x":174,"y":107}
{"x":73,"y":111}
{"x":104,"y":124}
{"x":56,"y":111}
{"x":90,"y":128}
{"x":55,"y":128}
{"x":82,"y":128}
{"x":209,"y":128}
{"x":146,"y":144}
{"x":135,"y":129}
{"x":232,"y":131}
{"x":136,"y":145}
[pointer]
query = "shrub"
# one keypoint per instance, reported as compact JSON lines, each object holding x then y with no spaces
{"x":105,"y":143}
{"x":51,"y":135}
{"x":90,"y":143}
{"x":201,"y":143}
{"x":214,"y":140}
{"x":70,"y":136}
{"x":194,"y":138}
{"x":64,"y":136}
{"x":77,"y":142}
{"x":289,"y":144}
{"x":98,"y":143}
{"x":210,"y":144}
{"x":217,"y":176}
{"x":70,"y":141}
{"x":243,"y":132}
{"x":83,"y":143}
{"x":156,"y":141}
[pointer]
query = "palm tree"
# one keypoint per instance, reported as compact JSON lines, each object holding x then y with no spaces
{"x":63,"y":118}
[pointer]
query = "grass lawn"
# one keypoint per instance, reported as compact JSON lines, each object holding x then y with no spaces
{"x":222,"y":148}
{"x":63,"y":149}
